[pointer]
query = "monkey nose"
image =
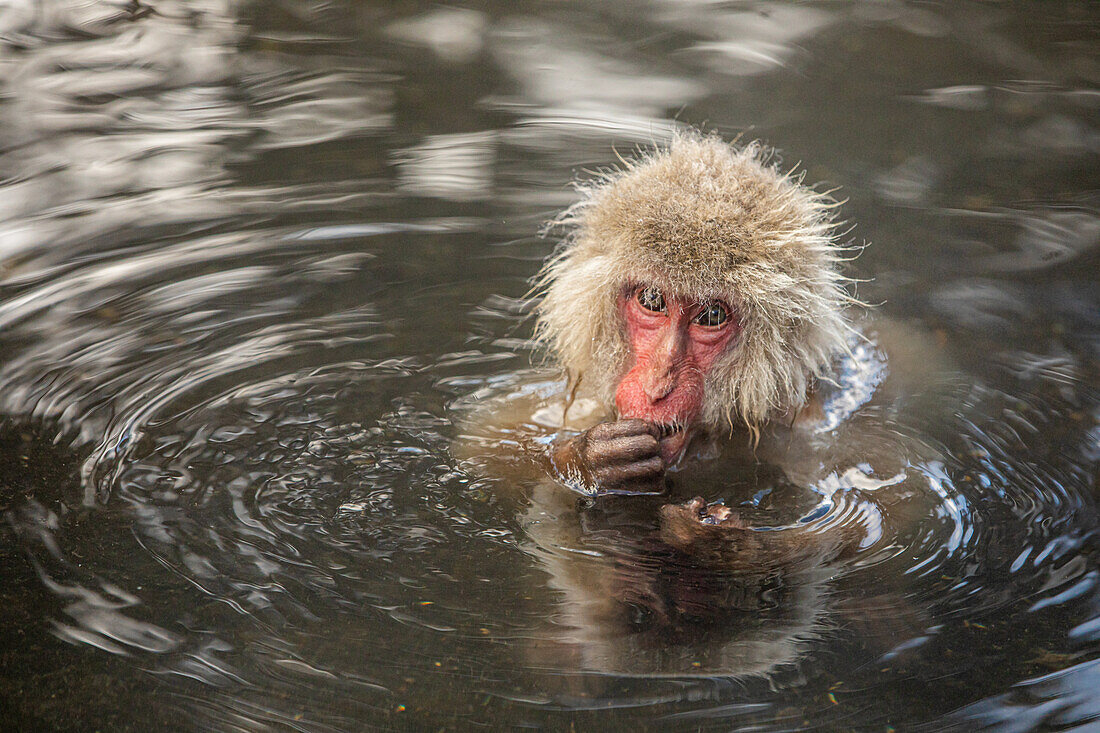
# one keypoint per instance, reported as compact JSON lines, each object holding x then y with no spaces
{"x":658,"y":387}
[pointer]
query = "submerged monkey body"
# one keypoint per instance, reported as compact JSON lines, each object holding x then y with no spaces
{"x":698,"y":291}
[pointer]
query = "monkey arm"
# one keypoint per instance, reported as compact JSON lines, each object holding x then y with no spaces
{"x":527,"y":433}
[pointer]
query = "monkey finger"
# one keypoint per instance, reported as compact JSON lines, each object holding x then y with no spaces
{"x":613,"y":475}
{"x":623,"y":428}
{"x":603,"y":431}
{"x":622,"y":450}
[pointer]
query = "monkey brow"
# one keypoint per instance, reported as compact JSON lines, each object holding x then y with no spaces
{"x":694,"y":299}
{"x":635,"y":285}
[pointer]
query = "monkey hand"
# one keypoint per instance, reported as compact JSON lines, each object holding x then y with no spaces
{"x":612,"y":457}
{"x":715,"y":533}
{"x":710,"y":531}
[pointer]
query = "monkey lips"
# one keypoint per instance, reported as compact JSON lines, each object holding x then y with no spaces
{"x":673,"y":442}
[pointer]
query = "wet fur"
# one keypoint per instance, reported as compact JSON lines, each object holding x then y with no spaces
{"x":703,"y":219}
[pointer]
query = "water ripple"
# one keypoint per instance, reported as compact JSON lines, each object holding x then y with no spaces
{"x":260,"y":266}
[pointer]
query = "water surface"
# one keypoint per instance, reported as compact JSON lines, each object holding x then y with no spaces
{"x":253,"y":256}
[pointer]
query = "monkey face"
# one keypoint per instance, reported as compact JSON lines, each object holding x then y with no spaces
{"x":674,"y":342}
{"x":700,"y":218}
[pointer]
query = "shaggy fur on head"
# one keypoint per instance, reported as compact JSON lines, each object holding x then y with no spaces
{"x":702,"y":219}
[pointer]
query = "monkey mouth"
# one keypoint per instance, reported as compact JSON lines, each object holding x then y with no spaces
{"x":667,"y":429}
{"x":673,"y":441}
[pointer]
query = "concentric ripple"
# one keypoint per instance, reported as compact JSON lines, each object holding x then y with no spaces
{"x":262,"y":264}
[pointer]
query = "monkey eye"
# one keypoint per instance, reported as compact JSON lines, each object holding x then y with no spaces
{"x":713,"y":314}
{"x":651,"y":299}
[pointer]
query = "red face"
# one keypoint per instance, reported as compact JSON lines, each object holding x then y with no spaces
{"x":675,"y":342}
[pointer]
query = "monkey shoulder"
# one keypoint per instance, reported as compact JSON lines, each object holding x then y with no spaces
{"x":886,"y":362}
{"x":866,"y":429}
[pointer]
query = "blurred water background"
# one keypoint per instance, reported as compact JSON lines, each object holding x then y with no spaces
{"x":251,"y":252}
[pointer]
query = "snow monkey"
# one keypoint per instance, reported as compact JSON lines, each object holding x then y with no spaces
{"x":697,"y":297}
{"x":699,"y":290}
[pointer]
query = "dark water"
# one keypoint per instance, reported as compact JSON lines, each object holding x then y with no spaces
{"x":252,"y":254}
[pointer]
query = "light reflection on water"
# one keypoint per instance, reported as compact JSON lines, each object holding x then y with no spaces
{"x":254,"y":258}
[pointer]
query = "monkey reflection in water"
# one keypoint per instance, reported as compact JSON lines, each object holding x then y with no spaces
{"x":710,"y":354}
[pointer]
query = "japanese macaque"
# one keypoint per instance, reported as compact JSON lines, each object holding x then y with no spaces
{"x":699,"y":290}
{"x":697,"y":297}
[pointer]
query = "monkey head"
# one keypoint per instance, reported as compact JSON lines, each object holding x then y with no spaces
{"x":698,"y":286}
